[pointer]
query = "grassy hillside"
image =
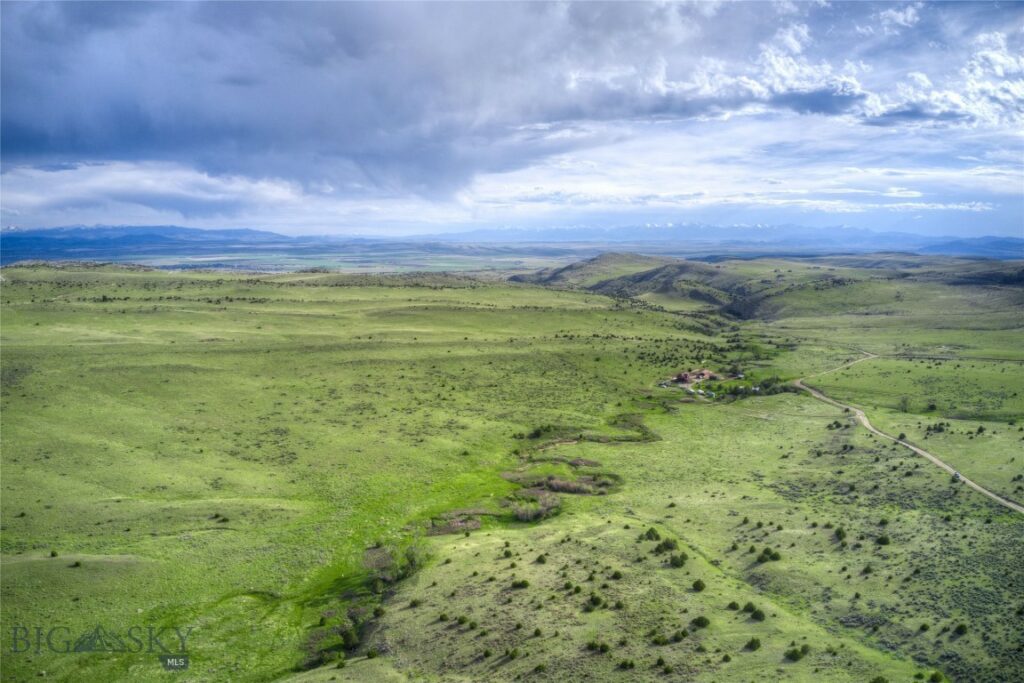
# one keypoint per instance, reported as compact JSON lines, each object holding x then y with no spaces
{"x":591,"y":272}
{"x":828,"y":286}
{"x":312,"y":469}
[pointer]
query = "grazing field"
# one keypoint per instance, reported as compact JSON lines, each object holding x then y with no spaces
{"x":433,"y":477}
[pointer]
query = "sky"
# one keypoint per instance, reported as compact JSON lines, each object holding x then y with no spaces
{"x":405,"y":118}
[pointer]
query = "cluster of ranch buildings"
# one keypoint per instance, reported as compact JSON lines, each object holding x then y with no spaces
{"x":690,"y":381}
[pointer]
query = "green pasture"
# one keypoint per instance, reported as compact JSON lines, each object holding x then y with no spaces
{"x":272,"y":459}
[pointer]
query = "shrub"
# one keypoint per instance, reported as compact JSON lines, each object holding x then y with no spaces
{"x":701,"y":622}
{"x":757,"y":615}
{"x":794,"y":655}
{"x":882,"y":540}
{"x":733,"y":605}
{"x":462,"y":620}
{"x":616,"y":575}
{"x":415,"y":602}
{"x":677,"y":561}
{"x":960,"y":630}
{"x":545,"y":505}
{"x":936,"y":677}
{"x":749,"y":607}
{"x":665,"y":546}
{"x":699,"y":585}
{"x":753,"y":644}
{"x":349,"y":638}
{"x":521,"y":583}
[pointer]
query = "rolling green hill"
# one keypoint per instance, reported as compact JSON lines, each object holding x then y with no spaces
{"x":773,"y":288}
{"x":591,"y":272}
{"x":439,"y":478}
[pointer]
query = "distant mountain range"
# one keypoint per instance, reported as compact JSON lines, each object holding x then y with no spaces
{"x":124,"y":243}
{"x":773,"y":238}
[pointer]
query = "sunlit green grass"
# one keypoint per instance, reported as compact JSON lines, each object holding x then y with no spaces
{"x":220,"y":451}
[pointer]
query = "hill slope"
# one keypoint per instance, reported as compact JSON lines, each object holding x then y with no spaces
{"x":594,"y":271}
{"x":771,"y":288}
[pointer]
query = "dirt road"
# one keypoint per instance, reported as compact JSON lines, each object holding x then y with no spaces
{"x":863,"y":419}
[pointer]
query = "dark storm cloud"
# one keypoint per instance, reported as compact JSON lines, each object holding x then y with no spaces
{"x":363,"y":96}
{"x":238,"y":105}
{"x":422,"y":96}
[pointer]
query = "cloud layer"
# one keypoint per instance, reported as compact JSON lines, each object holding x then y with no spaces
{"x":348,"y":117}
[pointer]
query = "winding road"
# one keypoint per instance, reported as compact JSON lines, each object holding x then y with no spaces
{"x":863,"y":419}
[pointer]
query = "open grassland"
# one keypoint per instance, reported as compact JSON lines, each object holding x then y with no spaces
{"x":431,"y":477}
{"x":963,"y":411}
